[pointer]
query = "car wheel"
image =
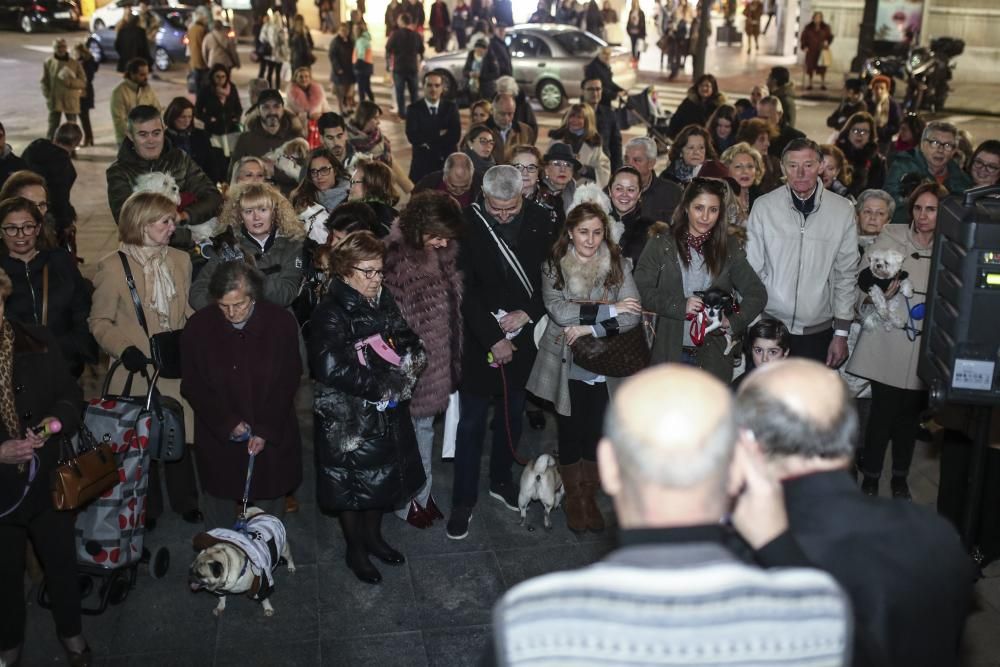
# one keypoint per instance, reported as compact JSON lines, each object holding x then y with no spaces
{"x":161,"y":59}
{"x":25,"y":24}
{"x":95,"y":50}
{"x":450,"y":91}
{"x":98,"y":25}
{"x":550,"y":95}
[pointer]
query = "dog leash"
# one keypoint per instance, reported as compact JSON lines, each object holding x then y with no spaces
{"x":506,"y":418}
{"x":241,"y":521}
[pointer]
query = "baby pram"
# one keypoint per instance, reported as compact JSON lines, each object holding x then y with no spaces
{"x":644,"y":108}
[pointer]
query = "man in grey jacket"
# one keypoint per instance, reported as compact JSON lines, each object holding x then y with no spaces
{"x":802,"y":241}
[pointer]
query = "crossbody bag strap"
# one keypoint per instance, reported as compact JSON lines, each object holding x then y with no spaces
{"x":45,"y":295}
{"x":507,"y":253}
{"x":130,"y":281}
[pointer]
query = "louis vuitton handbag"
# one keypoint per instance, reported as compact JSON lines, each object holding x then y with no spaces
{"x":619,"y":355}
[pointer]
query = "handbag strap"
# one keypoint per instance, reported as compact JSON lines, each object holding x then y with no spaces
{"x":45,"y":295}
{"x":507,"y":254}
{"x":32,"y":472}
{"x":130,"y":281}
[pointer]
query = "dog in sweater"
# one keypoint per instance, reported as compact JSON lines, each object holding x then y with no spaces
{"x":541,"y":481}
{"x":884,"y":266}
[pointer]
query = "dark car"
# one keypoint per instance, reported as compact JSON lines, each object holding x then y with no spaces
{"x":171,"y":39}
{"x":31,"y":15}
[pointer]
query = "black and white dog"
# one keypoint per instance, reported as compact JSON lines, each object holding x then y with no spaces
{"x":884,"y":266}
{"x":718,"y":303}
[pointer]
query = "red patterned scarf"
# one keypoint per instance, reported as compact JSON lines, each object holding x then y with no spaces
{"x":695,"y":243}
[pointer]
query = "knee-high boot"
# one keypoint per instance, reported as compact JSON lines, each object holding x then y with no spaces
{"x":374,"y":542}
{"x":573,"y":503}
{"x":352,"y":523}
{"x":588,"y":489}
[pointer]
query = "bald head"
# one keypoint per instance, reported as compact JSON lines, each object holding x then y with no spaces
{"x":798,"y":407}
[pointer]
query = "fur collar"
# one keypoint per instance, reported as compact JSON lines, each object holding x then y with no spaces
{"x":581,"y":278}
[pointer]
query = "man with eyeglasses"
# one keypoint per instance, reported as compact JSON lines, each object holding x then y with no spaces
{"x":933,"y":159}
{"x":607,"y":124}
{"x":271,"y":127}
{"x":433,"y":128}
{"x":504,"y":124}
{"x":659,"y":196}
{"x":507,"y":239}
{"x":458,"y":179}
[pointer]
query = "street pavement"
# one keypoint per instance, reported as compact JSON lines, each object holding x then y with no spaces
{"x":434,"y":610}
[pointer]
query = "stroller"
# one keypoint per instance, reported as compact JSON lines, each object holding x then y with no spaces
{"x":644,"y":108}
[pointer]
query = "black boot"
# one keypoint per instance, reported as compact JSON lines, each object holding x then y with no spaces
{"x":357,"y":554}
{"x":375,"y":544}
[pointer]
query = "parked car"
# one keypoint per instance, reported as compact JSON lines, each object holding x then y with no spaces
{"x":31,"y":15}
{"x":548,"y":62}
{"x":110,"y":14}
{"x":171,"y":39}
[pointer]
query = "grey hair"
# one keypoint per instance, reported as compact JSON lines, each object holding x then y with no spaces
{"x":236,"y":275}
{"x":453,"y":161}
{"x":642,"y":455}
{"x":643,"y":142}
{"x":781,"y":431}
{"x":771,"y":99}
{"x":502,"y":182}
{"x":938,"y":126}
{"x":507,"y":85}
{"x":873,"y":193}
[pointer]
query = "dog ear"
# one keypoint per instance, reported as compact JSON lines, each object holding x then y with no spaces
{"x":202,"y":541}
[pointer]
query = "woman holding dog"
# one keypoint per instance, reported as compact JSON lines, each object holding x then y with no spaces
{"x":889,"y":358}
{"x":696,"y":254}
{"x":366,"y":361}
{"x":588,"y":290}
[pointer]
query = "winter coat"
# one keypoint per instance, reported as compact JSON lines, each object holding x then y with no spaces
{"x":341,"y":55}
{"x":300,"y":46}
{"x":247,"y":375}
{"x":124,"y":171}
{"x":197,"y":143}
{"x":518,"y":134}
{"x":595,"y":167}
{"x":131,"y":42}
{"x":126,"y":96}
{"x":598,"y":69}
{"x":63,"y":83}
{"x":501,"y":52}
{"x":218,"y":49}
{"x":43,"y":388}
{"x":631,"y":232}
{"x":887,"y":131}
{"x":891,"y":357}
{"x":196,"y":36}
{"x":694,"y":111}
{"x":365,"y":458}
{"x":753,"y":12}
{"x":659,"y":199}
{"x":9,"y":163}
{"x":809,"y":264}
{"x":54,"y":164}
{"x":812,"y":41}
{"x":281,"y":263}
{"x":427,"y":287}
{"x":219,"y":117}
{"x":257,"y":141}
{"x":661,"y":287}
{"x":786,"y":94}
{"x":550,"y":375}
{"x":115,"y":326}
{"x":843,"y":113}
{"x":64,"y":307}
{"x":868,"y":166}
{"x":89,"y":66}
{"x":914,"y":162}
{"x":305,"y":103}
{"x":274,"y":35}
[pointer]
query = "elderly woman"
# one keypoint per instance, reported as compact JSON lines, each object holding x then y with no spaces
{"x":323,"y":186}
{"x":629,"y":227}
{"x":421,"y":272}
{"x":875,"y":210}
{"x":306,"y":98}
{"x":478,"y":144}
{"x":815,"y":37}
{"x":859,"y":144}
{"x":162,"y":278}
{"x":371,"y":184}
{"x":528,"y":161}
{"x":703,"y":98}
{"x":365,"y":360}
{"x":260,"y":228}
{"x":560,"y":166}
{"x":694,"y":254}
{"x":758,"y":133}
{"x":579,"y":132}
{"x":48,"y":289}
{"x":746,"y":166}
{"x":888,"y":356}
{"x":240,"y":377}
{"x":692,"y":148}
{"x":37,"y":386}
{"x":585,"y":266}
{"x":984,"y":167}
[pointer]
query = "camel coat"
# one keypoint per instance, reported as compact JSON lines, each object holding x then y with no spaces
{"x":62,"y":90}
{"x":115,"y":326}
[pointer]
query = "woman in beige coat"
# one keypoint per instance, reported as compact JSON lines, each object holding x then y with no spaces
{"x":162,"y":280}
{"x":585,"y":266}
{"x":63,"y":83}
{"x":889,"y":357}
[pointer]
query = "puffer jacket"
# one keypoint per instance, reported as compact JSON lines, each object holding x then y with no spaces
{"x":63,"y":83}
{"x":365,"y":458}
{"x":808,"y":264}
{"x":280,"y":261}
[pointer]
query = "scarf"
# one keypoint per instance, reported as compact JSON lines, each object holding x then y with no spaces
{"x":695,"y":243}
{"x":160,"y":289}
{"x":8,"y":411}
{"x":682,"y":170}
{"x":882,"y":112}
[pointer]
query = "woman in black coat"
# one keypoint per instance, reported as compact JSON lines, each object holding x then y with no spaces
{"x":703,"y":98}
{"x":859,"y":142}
{"x":89,"y":65}
{"x":37,"y":386}
{"x":218,"y":104}
{"x":179,"y":121}
{"x":48,"y":289}
{"x":365,"y":360}
{"x":131,"y":42}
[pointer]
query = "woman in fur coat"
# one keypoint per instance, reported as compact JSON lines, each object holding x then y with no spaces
{"x":422,"y":274}
{"x":585,"y":266}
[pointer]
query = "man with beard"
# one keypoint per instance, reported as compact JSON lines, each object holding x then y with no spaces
{"x":457,"y":179}
{"x":333,"y":133}
{"x":511,"y":132}
{"x":268,"y":128}
{"x":146,"y":150}
{"x":607,"y":124}
{"x":132,"y":92}
{"x":433,"y":128}
{"x":659,"y":196}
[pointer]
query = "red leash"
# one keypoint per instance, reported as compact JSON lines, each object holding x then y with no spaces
{"x":506,"y":417}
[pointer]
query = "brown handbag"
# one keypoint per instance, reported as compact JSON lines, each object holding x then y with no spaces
{"x":81,"y":477}
{"x":614,"y":356}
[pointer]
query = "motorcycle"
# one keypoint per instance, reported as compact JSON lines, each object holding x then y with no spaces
{"x":925,"y":70}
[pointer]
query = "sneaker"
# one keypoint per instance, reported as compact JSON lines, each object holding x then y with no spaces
{"x":458,"y":524}
{"x":900,"y":489}
{"x":506,"y":493}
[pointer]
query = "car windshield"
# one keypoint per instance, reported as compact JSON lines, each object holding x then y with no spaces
{"x":578,"y":43}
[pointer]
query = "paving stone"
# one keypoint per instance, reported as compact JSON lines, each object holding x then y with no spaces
{"x":461,"y":646}
{"x":296,"y":613}
{"x":458,"y":589}
{"x":404,"y":649}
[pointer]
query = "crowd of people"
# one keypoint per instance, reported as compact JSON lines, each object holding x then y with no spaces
{"x":273,"y":236}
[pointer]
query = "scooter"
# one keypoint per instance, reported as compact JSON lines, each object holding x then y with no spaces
{"x":925,"y":70}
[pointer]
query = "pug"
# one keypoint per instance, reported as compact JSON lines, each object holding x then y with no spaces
{"x":233,"y":562}
{"x":541,"y":481}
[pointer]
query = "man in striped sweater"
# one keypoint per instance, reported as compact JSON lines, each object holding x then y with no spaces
{"x":674,"y":593}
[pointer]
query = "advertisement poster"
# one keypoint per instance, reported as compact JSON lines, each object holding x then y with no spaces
{"x":899,"y":20}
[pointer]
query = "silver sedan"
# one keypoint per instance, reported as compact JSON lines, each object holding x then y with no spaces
{"x":548,"y":62}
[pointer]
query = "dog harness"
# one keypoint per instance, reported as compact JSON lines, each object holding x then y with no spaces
{"x":263,"y":543}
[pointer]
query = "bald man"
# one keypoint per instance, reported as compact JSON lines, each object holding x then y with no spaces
{"x":909,"y":579}
{"x":673,"y":588}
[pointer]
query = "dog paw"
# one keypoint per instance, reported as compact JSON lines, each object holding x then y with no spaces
{"x":216,"y":612}
{"x":269,"y":612}
{"x":291,"y":569}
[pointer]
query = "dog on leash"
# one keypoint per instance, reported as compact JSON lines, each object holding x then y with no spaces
{"x":717,"y":303}
{"x":231,"y":562}
{"x":541,"y":481}
{"x":289,"y":157}
{"x":884,"y":266}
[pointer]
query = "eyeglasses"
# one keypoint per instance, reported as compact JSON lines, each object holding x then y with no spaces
{"x":991,"y":168}
{"x":322,"y":171}
{"x":370,"y":273}
{"x":485,"y":141}
{"x":526,"y":168}
{"x":947,"y":145}
{"x":860,"y":131}
{"x":561,"y":164}
{"x":15,"y":231}
{"x":356,"y":182}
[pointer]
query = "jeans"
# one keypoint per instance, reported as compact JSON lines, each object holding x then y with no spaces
{"x":404,"y":80}
{"x":474,"y":409}
{"x":423,"y":427}
{"x":363,"y":74}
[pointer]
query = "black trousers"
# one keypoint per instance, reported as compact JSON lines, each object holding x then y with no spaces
{"x":895,"y":416}
{"x":580,"y":432}
{"x":811,"y":346}
{"x":474,"y":410}
{"x":51,"y":533}
{"x":182,"y":486}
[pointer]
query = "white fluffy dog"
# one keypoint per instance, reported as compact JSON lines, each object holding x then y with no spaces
{"x":289,"y":157}
{"x":165,"y":184}
{"x":884,"y":267}
{"x":541,"y":481}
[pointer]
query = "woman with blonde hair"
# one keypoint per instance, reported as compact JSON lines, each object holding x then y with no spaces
{"x":306,"y":98}
{"x":480,"y":112}
{"x":260,"y":228}
{"x":746,"y":166}
{"x":579,"y":131}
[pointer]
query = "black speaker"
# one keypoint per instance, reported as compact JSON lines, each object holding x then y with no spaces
{"x":960,"y":350}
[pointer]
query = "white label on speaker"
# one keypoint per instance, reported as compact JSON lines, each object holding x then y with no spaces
{"x":973,"y":374}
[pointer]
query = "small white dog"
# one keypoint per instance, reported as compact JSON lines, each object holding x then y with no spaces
{"x":231,"y":562}
{"x":165,"y":184}
{"x":541,"y":481}
{"x":884,"y":266}
{"x":289,"y":157}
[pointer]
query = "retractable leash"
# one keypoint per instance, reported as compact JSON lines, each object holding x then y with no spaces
{"x":915,"y":312}
{"x":241,"y":522}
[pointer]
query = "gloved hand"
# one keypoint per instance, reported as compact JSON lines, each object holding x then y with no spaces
{"x":133,"y":359}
